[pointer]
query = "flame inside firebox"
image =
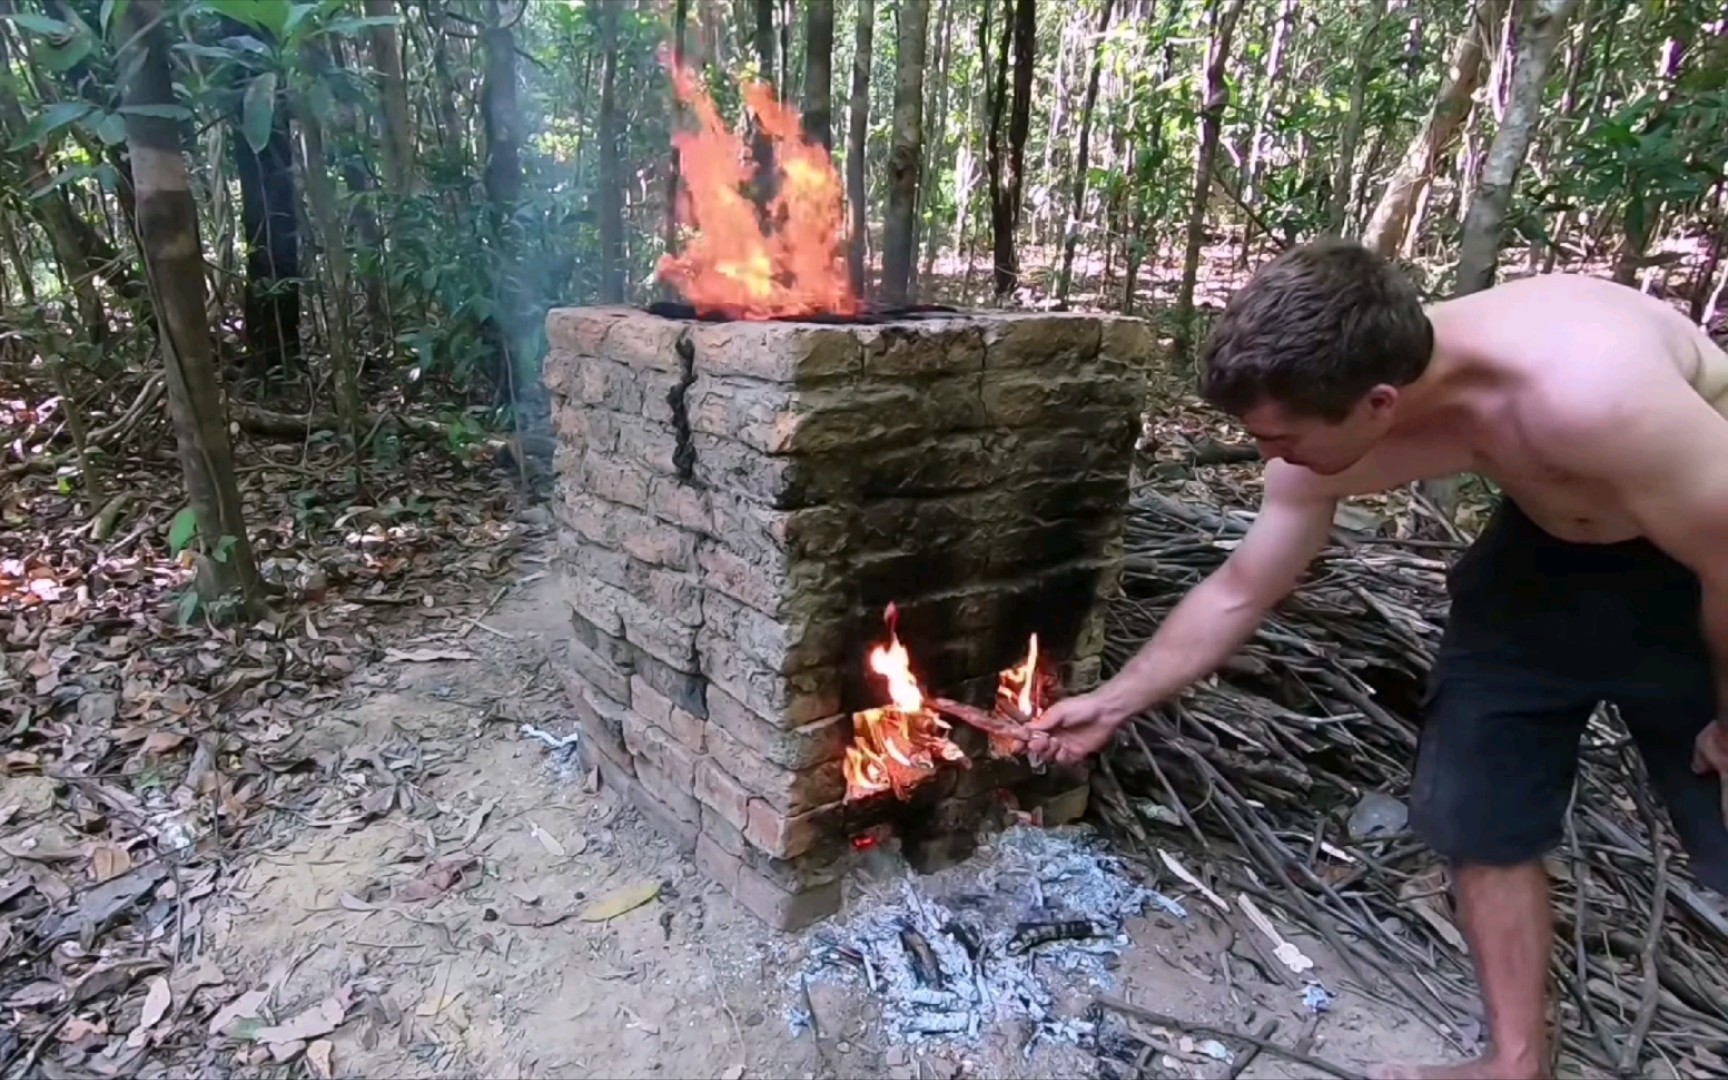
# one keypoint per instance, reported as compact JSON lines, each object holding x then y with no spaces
{"x":732,"y":264}
{"x":898,"y":746}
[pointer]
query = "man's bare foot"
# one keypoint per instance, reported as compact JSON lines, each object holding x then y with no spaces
{"x":1482,"y":1068}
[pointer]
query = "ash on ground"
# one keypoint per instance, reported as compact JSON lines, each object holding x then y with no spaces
{"x":1034,"y":913}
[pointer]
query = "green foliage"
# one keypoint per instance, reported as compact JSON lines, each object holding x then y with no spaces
{"x":182,"y":530}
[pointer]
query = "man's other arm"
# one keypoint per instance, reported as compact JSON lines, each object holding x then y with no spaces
{"x":1220,"y":614}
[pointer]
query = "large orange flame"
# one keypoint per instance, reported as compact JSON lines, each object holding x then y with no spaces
{"x":730,"y":265}
{"x":896,"y":747}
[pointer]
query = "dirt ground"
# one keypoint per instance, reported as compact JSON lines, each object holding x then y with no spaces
{"x":500,"y":975}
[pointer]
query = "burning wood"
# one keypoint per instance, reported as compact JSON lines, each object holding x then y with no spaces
{"x":898,"y":746}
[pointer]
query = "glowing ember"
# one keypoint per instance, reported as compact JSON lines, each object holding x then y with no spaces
{"x":731,"y":265}
{"x":898,"y":746}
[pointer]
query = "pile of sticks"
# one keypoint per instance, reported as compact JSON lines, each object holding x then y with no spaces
{"x":1251,"y":778}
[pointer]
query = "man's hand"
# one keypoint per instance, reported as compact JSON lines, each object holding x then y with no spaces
{"x":1078,"y":727}
{"x":1710,"y":754}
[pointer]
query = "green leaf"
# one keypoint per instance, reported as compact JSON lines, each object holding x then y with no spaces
{"x":249,"y":12}
{"x":59,"y":58}
{"x":182,"y":529}
{"x":223,"y":547}
{"x":161,"y":112}
{"x":40,"y":24}
{"x":297,"y":14}
{"x":351,"y":26}
{"x":111,"y":129}
{"x":113,"y":11}
{"x":188,"y":606}
{"x":52,"y":119}
{"x":258,"y":110}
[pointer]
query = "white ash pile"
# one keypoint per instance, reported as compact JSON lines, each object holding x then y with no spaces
{"x":1034,"y":912}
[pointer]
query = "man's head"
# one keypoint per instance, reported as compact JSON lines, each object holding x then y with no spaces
{"x":1313,"y":353}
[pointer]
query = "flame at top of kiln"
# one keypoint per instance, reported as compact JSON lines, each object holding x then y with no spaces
{"x":731,"y":264}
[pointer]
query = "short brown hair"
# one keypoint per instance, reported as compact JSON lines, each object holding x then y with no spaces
{"x":1315,"y":330}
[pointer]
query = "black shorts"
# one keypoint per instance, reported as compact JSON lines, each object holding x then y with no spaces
{"x":1540,"y":631}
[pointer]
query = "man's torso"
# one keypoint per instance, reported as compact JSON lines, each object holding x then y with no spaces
{"x":1532,"y":338}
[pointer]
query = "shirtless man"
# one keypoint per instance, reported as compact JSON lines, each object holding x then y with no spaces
{"x":1603,"y":416}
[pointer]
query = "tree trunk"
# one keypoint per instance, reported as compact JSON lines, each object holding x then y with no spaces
{"x":935,"y":156}
{"x":1082,"y":156}
{"x":819,"y":72}
{"x":1223,"y":16}
{"x":1008,"y":177}
{"x":270,"y":223}
{"x":1479,"y":249}
{"x":857,"y":130}
{"x":1274,"y":86}
{"x":906,"y":152}
{"x":393,"y":91}
{"x":611,"y":193}
{"x":327,"y":219}
{"x":766,"y":47}
{"x":173,"y":258}
{"x":1338,"y":199}
{"x":1391,"y":217}
{"x":680,"y":27}
{"x":503,"y":182}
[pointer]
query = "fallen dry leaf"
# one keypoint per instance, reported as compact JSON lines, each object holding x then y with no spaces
{"x":109,"y":861}
{"x":437,"y":879}
{"x":163,"y":742}
{"x":320,"y":1019}
{"x":318,"y":1059}
{"x":244,"y":1007}
{"x":427,"y":656}
{"x":547,"y":840}
{"x":350,"y":902}
{"x":37,"y":993}
{"x":156,"y":1002}
{"x":733,"y":1072}
{"x":619,"y":901}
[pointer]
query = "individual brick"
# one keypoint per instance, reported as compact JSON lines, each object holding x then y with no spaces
{"x":927,"y":347}
{"x":610,"y":647}
{"x":788,"y":791}
{"x":596,"y":669}
{"x":588,"y":560}
{"x":790,"y":700}
{"x":686,"y":690}
{"x":720,"y":865}
{"x":681,"y":834}
{"x":775,"y":351}
{"x":602,"y":727}
{"x":790,"y":748}
{"x":579,"y":331}
{"x":643,"y":340}
{"x":680,"y":803}
{"x":682,"y":504}
{"x":807,"y":637}
{"x":597,"y":603}
{"x":652,"y":746}
{"x":652,"y":446}
{"x":780,"y":909}
{"x":787,"y":836}
{"x":615,"y":479}
{"x":1128,"y":341}
{"x":658,"y":709}
{"x":588,"y":517}
{"x":718,"y":791}
{"x":1065,"y":342}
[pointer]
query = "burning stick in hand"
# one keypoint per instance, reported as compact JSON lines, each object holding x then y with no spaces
{"x":1007,"y":736}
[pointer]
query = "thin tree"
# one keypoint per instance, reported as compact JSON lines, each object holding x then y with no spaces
{"x":818,"y":112}
{"x":1222,"y":16}
{"x":904,"y":157}
{"x":1391,"y":217}
{"x":1083,"y":156}
{"x":501,"y":121}
{"x":1479,"y":249}
{"x":680,"y":27}
{"x":173,"y":269}
{"x":393,"y":91}
{"x":1008,"y":162}
{"x":1343,"y":169}
{"x":857,"y":130}
{"x":611,"y":193}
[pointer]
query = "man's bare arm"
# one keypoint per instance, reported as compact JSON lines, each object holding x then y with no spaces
{"x":1221,"y":613}
{"x":1665,"y":453}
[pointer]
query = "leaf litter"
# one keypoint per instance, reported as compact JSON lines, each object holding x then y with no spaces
{"x":145,"y":749}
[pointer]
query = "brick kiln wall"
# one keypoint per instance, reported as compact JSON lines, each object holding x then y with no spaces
{"x":739,"y":501}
